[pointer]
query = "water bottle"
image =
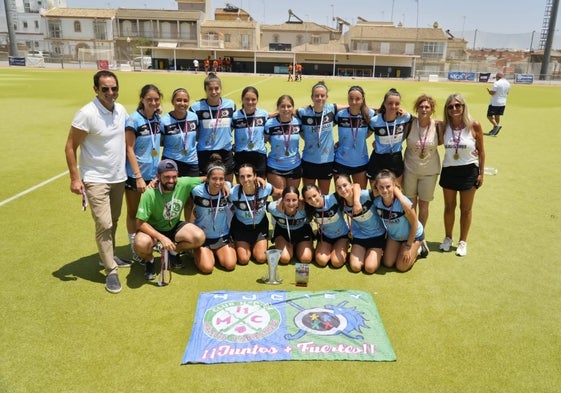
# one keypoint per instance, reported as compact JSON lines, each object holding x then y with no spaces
{"x":489,"y":170}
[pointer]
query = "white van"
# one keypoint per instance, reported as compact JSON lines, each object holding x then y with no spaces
{"x":143,"y":63}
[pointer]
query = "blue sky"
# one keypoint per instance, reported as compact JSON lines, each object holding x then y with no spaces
{"x":504,"y":16}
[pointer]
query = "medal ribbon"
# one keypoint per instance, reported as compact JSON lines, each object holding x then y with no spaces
{"x":318,"y":128}
{"x":392,"y":135}
{"x":249,"y":129}
{"x":286,"y":136}
{"x":423,"y":141}
{"x":217,"y":119}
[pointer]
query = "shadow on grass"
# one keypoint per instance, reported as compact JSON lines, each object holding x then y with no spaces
{"x":88,"y":268}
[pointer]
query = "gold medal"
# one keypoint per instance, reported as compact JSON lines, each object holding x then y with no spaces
{"x":286,"y":153}
{"x":184,"y":151}
{"x":422,"y":155}
{"x":154,"y":153}
{"x":251,"y":145}
{"x":456,"y":156}
{"x":350,"y":235}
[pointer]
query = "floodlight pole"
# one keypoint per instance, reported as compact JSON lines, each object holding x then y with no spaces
{"x":11,"y":32}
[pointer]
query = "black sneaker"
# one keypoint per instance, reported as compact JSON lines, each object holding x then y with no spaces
{"x":120,"y":262}
{"x":150,"y":271}
{"x":112,"y":283}
{"x":175,"y":261}
{"x":424,"y":249}
{"x":497,"y":130}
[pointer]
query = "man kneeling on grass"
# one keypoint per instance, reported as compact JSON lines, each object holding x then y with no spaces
{"x":157,"y":218}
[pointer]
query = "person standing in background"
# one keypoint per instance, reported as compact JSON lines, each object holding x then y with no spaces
{"x":98,"y":129}
{"x":496,"y":108}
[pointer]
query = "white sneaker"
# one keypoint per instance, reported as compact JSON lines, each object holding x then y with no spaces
{"x":462,"y":249}
{"x":446,"y":244}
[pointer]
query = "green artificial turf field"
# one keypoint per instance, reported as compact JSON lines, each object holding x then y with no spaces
{"x":489,"y":322}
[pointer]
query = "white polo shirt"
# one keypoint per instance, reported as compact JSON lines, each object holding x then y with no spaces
{"x":103,"y":151}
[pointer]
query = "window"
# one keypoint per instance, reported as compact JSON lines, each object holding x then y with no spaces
{"x":316,"y":39}
{"x":385,"y":47}
{"x":25,"y":25}
{"x":55,"y":30}
{"x":36,"y":24}
{"x":276,"y":38}
{"x":433,"y":50}
{"x":245,"y":41}
{"x":227,"y":37}
{"x":77,"y":26}
{"x":299,"y":39}
{"x":100,"y":30}
{"x":409,"y":49}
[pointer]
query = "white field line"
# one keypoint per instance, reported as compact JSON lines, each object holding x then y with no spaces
{"x":31,"y":189}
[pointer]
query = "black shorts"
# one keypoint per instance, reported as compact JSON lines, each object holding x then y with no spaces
{"x":130,"y":184}
{"x":249,"y":233}
{"x":459,"y":178}
{"x":317,"y":171}
{"x":340,"y":169}
{"x":258,"y":160}
{"x":329,"y":240}
{"x":190,"y":170}
{"x":295,"y":173}
{"x":215,"y":244}
{"x":495,"y":110}
{"x":373,"y":242}
{"x":172,"y":232}
{"x":296,"y":236}
{"x":391,"y":161}
{"x":227,"y":160}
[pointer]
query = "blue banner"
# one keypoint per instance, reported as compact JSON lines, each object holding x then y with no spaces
{"x":461,"y":76}
{"x":287,"y":325}
{"x":524,"y":78}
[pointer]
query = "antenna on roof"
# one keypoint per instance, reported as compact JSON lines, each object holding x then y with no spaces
{"x":291,"y":13}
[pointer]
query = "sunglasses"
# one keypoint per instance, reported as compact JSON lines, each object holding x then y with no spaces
{"x":454,"y":106}
{"x":114,"y":89}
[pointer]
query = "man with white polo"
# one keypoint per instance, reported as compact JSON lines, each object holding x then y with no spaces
{"x":496,"y":108}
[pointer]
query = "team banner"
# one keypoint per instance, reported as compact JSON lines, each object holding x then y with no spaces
{"x":234,"y":327}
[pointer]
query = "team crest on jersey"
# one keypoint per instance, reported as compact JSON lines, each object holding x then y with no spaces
{"x":310,"y":121}
{"x":206,"y":115}
{"x":259,"y":122}
{"x":173,"y":209}
{"x":224,"y":113}
{"x":205,"y":202}
{"x":243,"y":206}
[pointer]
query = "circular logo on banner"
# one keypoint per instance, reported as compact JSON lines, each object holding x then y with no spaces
{"x":320,"y":321}
{"x":241,"y":321}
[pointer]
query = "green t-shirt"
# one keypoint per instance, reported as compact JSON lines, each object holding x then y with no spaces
{"x":163,"y":218}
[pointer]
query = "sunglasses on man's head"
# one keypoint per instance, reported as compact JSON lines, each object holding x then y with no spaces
{"x":114,"y":89}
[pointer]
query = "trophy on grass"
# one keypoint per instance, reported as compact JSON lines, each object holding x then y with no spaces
{"x":273,"y":257}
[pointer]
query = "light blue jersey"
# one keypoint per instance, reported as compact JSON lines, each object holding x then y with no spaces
{"x":180,"y":138}
{"x":215,"y":124}
{"x":353,"y":131}
{"x":249,"y":131}
{"x":367,"y":224}
{"x":395,"y":221}
{"x":317,"y":129}
{"x":211,"y":212}
{"x":330,"y":219}
{"x":290,"y":223}
{"x":250,"y":209}
{"x":146,"y":145}
{"x":389,"y":136}
{"x":285,"y":144}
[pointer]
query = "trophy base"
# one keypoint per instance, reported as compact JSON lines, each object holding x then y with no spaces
{"x":265,"y":280}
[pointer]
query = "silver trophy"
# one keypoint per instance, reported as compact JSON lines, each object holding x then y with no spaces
{"x":273,"y":257}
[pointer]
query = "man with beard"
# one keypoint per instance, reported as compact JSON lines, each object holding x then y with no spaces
{"x":158,"y":218}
